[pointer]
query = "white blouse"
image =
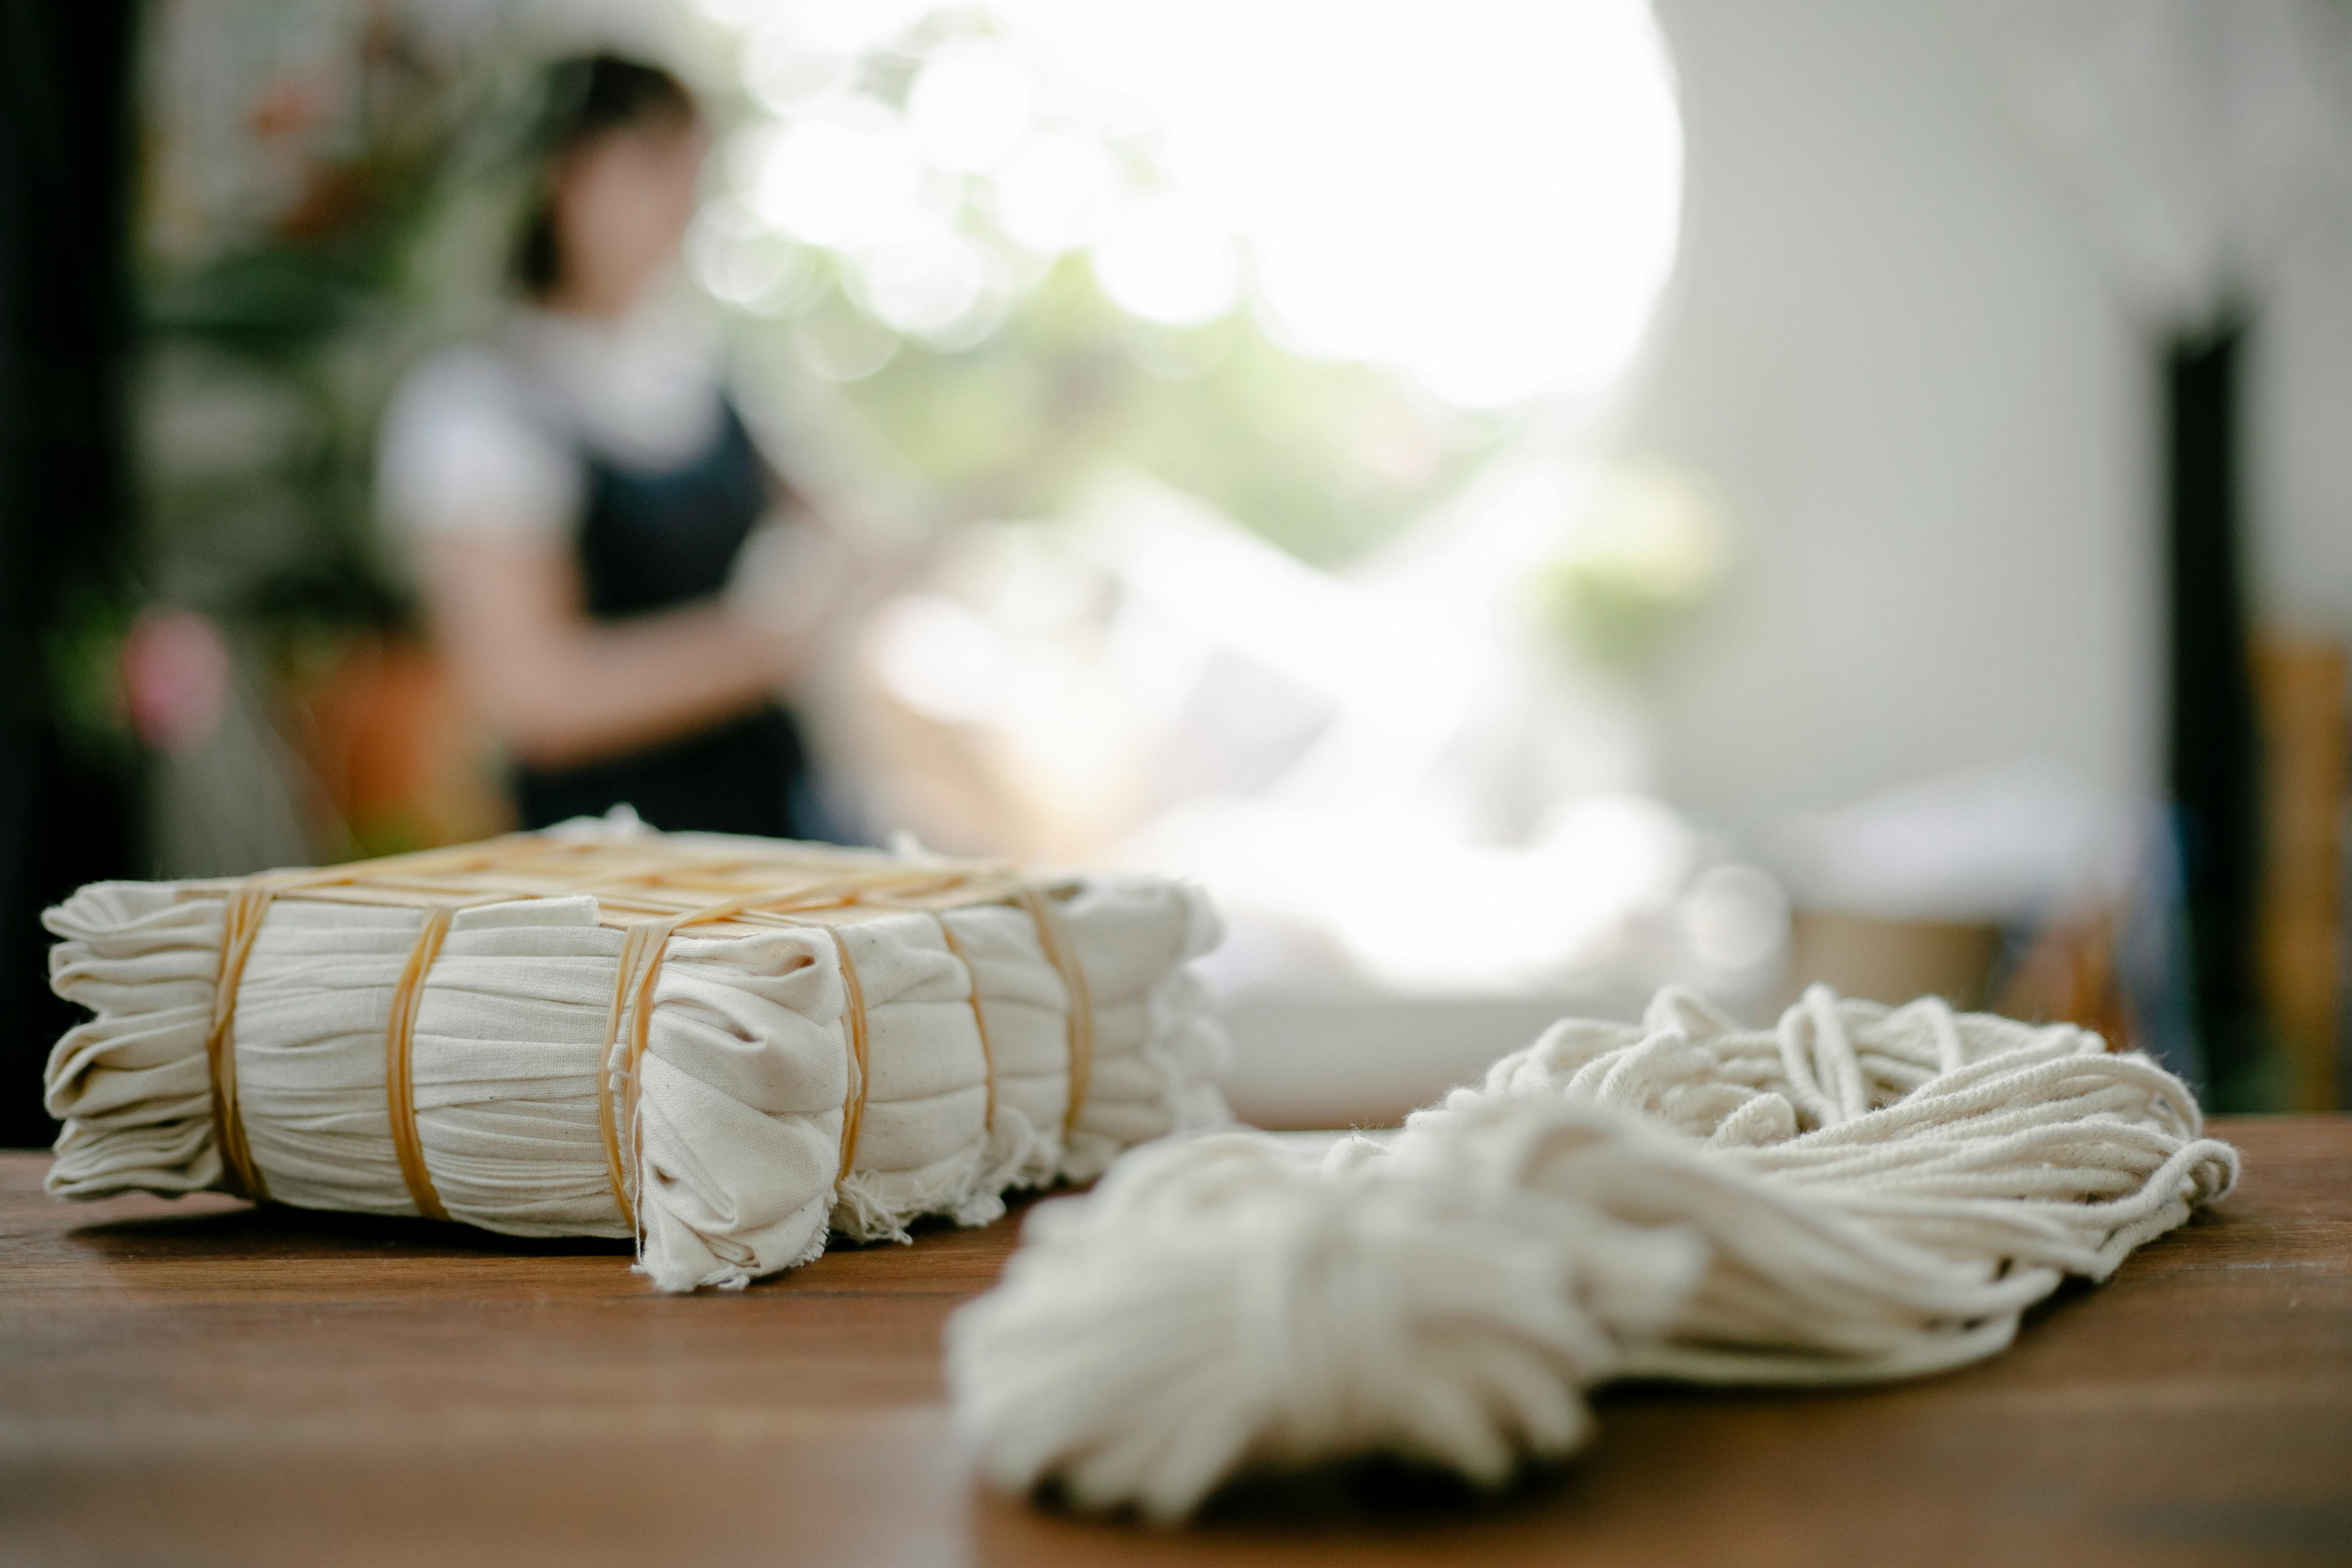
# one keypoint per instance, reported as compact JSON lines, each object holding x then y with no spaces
{"x":488,"y":438}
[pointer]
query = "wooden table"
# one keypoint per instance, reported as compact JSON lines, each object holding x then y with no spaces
{"x":201,"y":1382}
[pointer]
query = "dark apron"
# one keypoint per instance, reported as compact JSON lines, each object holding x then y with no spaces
{"x":652,"y":540}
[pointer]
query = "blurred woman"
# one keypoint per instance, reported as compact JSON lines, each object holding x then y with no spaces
{"x":583,"y":491}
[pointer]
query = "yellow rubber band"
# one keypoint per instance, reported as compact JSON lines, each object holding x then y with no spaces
{"x":642,"y":951}
{"x":399,"y":1051}
{"x":240,"y":924}
{"x":979,"y":1018}
{"x":1056,"y":941}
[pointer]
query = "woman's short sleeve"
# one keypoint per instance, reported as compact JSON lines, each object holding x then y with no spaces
{"x":460,"y":454}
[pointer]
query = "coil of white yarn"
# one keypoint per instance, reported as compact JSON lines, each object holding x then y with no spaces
{"x":1858,"y":1194}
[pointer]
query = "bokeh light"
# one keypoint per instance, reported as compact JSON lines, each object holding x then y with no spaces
{"x":743,"y":261}
{"x":839,"y":177}
{"x":1167,"y":260}
{"x":920,"y":280}
{"x":971,"y":104}
{"x":1484,"y":199}
{"x":1056,"y":193}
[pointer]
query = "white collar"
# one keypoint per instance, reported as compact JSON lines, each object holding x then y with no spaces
{"x":642,"y":388}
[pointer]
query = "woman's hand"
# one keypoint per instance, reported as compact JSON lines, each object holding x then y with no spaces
{"x":802,"y":580}
{"x":562,"y":689}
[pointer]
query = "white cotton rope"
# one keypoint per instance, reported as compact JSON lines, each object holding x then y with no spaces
{"x":1859,"y":1194}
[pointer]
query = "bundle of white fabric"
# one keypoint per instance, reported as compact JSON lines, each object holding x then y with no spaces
{"x":1857,"y":1195}
{"x":726,"y":1085}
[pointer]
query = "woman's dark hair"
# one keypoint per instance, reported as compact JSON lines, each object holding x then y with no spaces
{"x":586,"y":98}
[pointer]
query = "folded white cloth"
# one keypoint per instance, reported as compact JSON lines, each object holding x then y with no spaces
{"x":749,"y":1080}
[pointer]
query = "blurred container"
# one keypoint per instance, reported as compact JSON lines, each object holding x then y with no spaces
{"x":399,"y":760}
{"x":1304,"y":1060}
{"x":1892,"y":961}
{"x":2299,"y":697}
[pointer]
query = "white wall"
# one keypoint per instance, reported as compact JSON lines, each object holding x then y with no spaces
{"x":1895,"y":357}
{"x":2299,"y":441}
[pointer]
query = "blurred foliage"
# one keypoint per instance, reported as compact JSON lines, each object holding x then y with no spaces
{"x":277,"y":329}
{"x":1646,"y":555}
{"x":275,"y":318}
{"x":1323,"y":459}
{"x":81,"y":657}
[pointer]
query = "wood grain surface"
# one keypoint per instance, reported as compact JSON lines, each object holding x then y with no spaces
{"x":201,"y":1382}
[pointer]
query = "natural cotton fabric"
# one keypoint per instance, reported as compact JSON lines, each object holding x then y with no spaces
{"x":741,"y":1090}
{"x":1856,"y":1195}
